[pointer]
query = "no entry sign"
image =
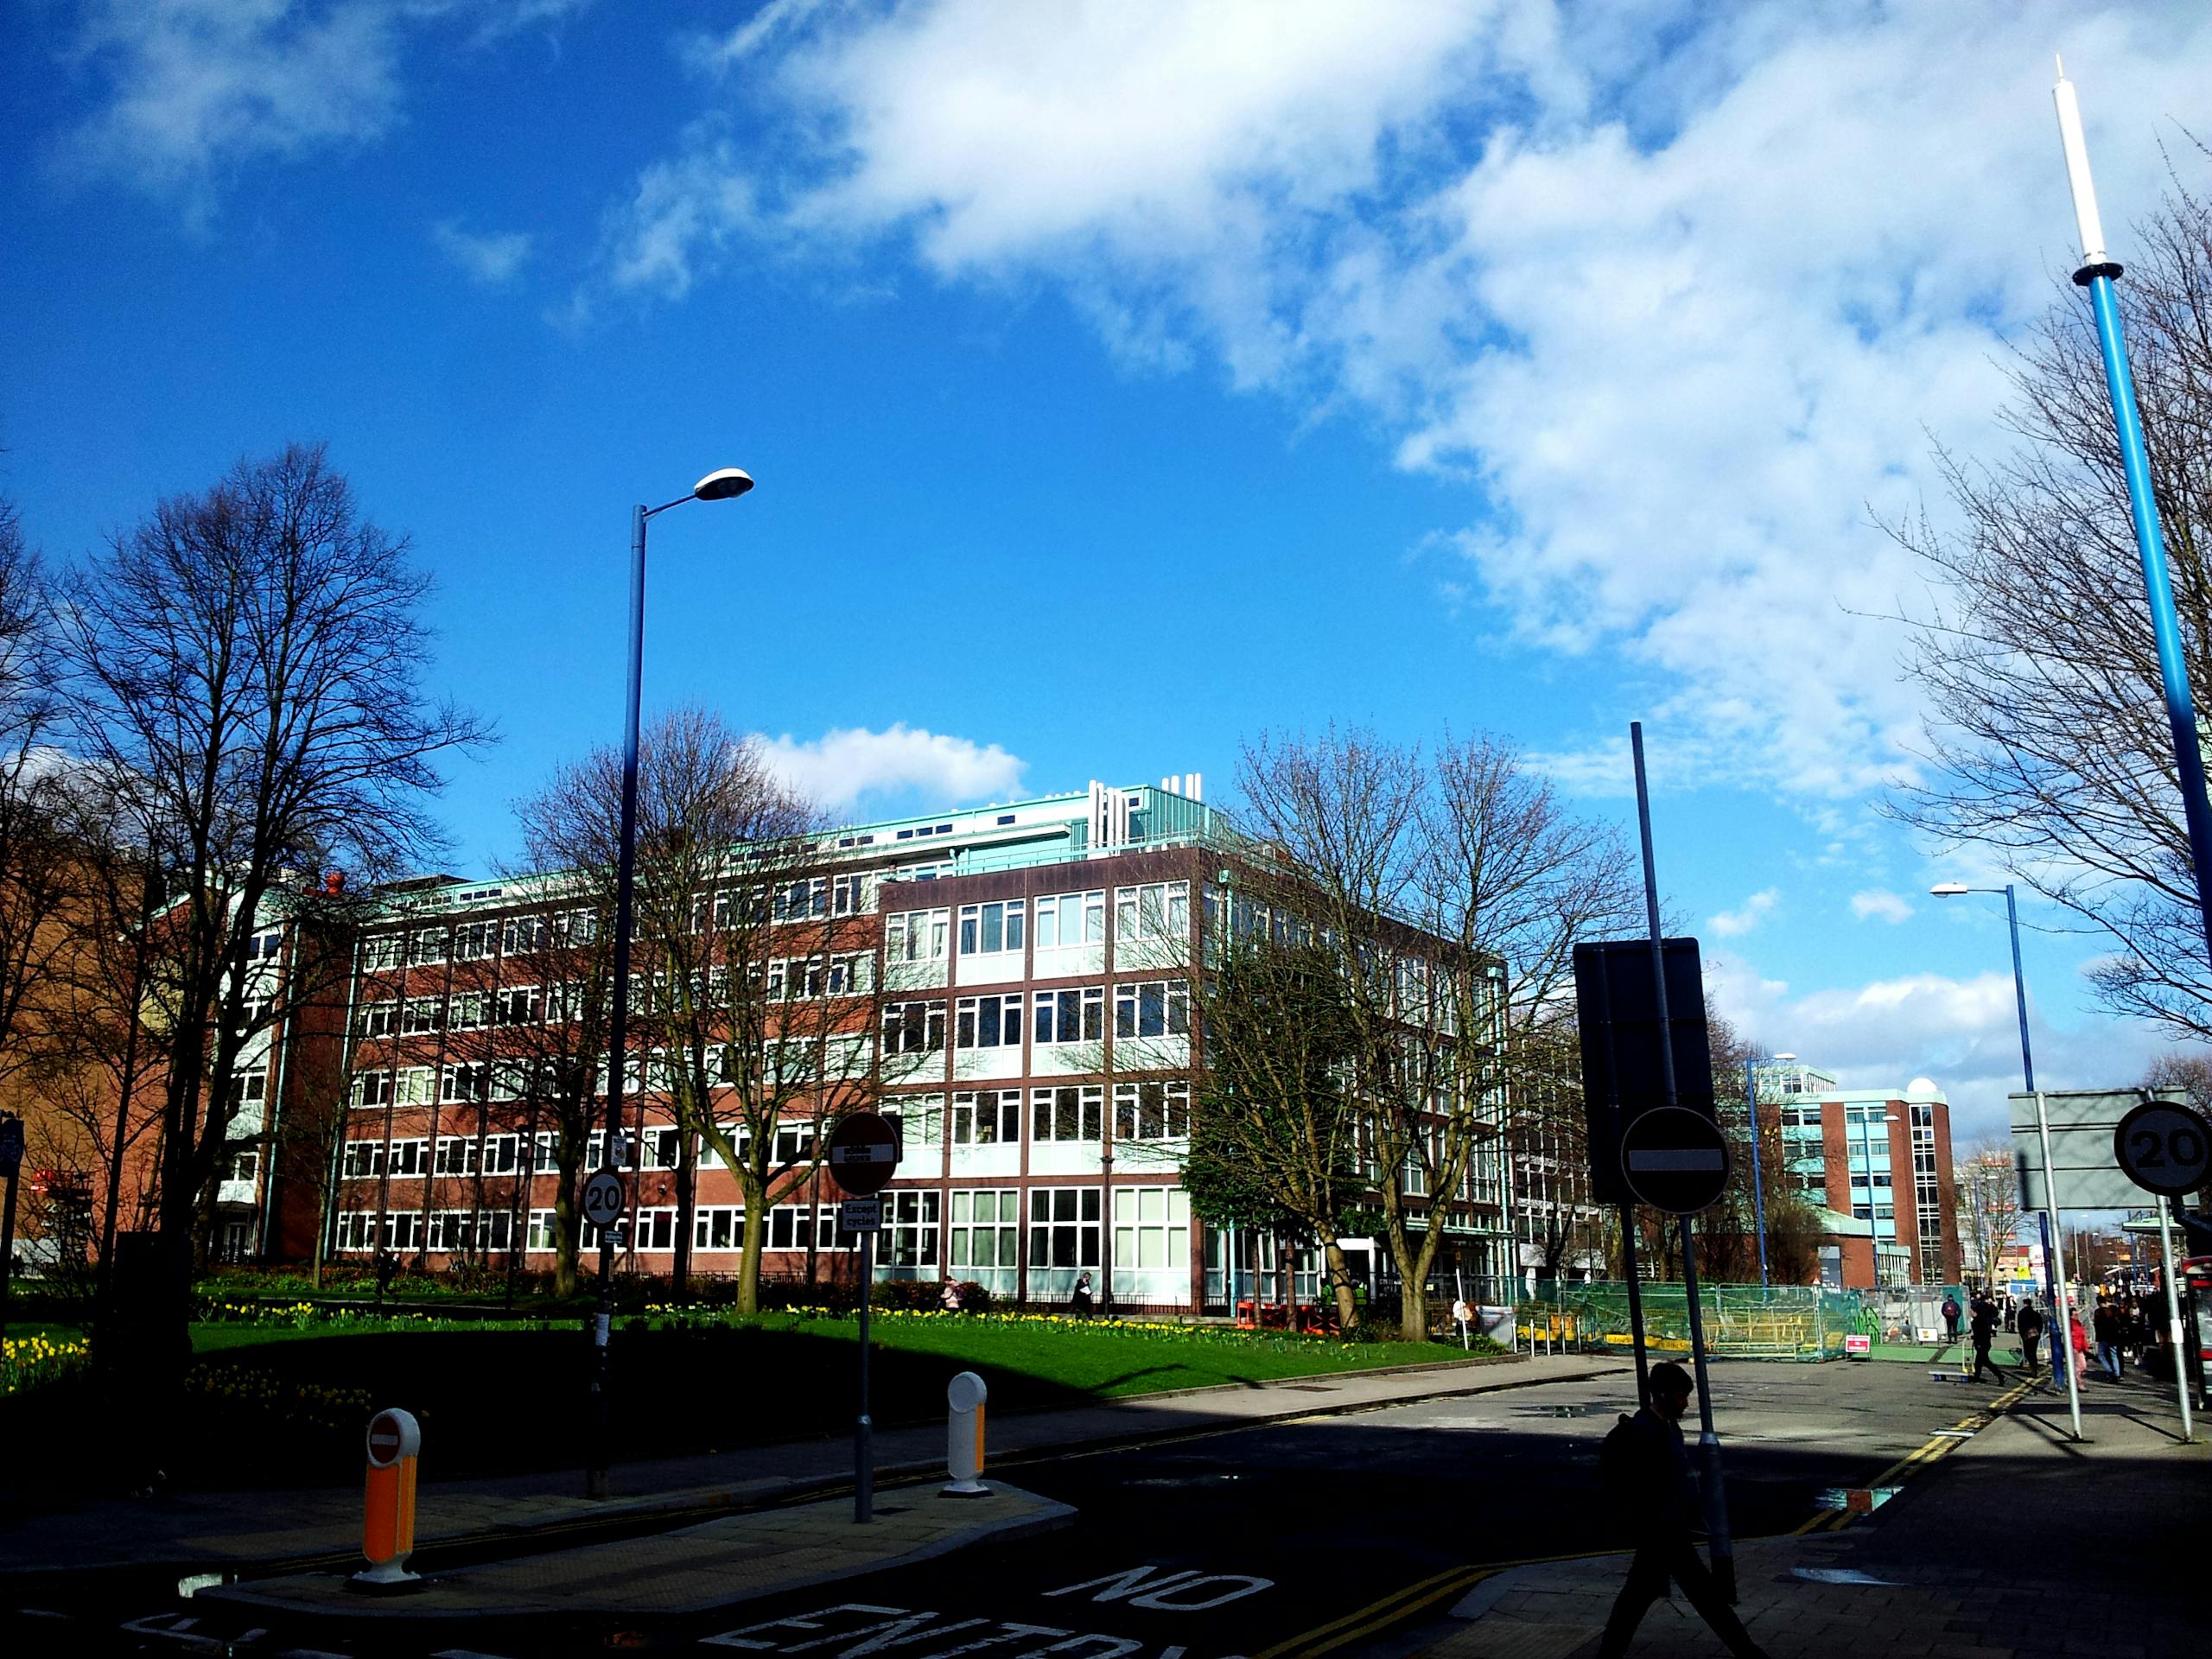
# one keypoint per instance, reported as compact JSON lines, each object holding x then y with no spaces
{"x":863,"y":1154}
{"x":1673,"y":1158}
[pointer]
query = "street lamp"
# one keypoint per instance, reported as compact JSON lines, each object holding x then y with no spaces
{"x":2053,"y":1264}
{"x":724,"y":484}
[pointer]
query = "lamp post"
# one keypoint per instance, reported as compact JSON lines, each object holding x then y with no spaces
{"x":1758,"y":1189}
{"x":2053,"y":1264}
{"x":722,"y":485}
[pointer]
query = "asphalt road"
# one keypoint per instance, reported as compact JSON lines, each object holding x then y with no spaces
{"x":1324,"y":1535}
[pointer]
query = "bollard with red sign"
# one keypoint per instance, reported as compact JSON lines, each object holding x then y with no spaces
{"x":388,"y":1523}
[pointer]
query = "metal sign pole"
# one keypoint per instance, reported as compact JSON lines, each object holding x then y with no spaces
{"x":2062,"y":1334}
{"x":1716,"y":1492}
{"x":864,"y":1430}
{"x":2173,"y":1308}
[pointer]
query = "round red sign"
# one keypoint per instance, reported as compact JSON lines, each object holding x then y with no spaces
{"x":863,"y":1154}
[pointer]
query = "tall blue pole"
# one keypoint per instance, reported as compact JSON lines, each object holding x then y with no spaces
{"x":1758,"y":1195}
{"x":617,"y":1025}
{"x":2098,"y":272}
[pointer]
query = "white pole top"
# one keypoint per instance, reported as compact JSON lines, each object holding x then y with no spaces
{"x":2086,"y":221}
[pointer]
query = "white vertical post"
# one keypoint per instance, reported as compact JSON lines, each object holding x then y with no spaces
{"x":2166,"y":1265}
{"x":964,"y":1435}
{"x":2061,"y":1336}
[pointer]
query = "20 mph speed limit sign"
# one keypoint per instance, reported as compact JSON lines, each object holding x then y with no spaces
{"x":2163,"y":1149}
{"x":604,"y":1199}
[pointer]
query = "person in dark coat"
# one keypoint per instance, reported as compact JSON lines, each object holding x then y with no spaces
{"x":1655,"y":1491}
{"x":1981,"y":1329}
{"x":2030,"y":1325}
{"x":1951,"y":1319}
{"x":2108,"y":1325}
{"x":1079,"y":1303}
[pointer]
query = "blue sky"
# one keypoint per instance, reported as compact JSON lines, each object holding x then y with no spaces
{"x":1123,"y":379}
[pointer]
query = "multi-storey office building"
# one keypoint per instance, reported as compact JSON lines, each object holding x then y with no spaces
{"x":1881,"y":1157}
{"x":1011,"y":985}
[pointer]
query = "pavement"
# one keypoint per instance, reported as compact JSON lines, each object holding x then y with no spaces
{"x":226,"y":1535}
{"x":2028,"y":1545}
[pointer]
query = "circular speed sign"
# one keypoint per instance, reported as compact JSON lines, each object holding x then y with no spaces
{"x":604,"y":1198}
{"x":2163,"y":1149}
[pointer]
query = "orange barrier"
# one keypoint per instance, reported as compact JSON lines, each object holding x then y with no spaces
{"x":388,"y":1514}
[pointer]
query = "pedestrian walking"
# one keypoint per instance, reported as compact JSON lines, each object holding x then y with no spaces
{"x":1981,"y":1328}
{"x":1079,"y":1303}
{"x":1647,"y":1473}
{"x":948,"y":1298}
{"x":1951,"y":1319}
{"x":2030,"y":1326}
{"x":2011,"y":1310}
{"x":2109,"y":1327}
{"x":2078,"y":1340}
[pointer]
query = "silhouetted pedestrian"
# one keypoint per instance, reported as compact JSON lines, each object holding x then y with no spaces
{"x":1648,"y":1476}
{"x":1079,"y":1303}
{"x":1981,"y":1328}
{"x":2109,"y":1325}
{"x":1951,"y":1319}
{"x":2030,"y":1326}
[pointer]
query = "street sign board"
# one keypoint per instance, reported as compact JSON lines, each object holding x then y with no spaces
{"x":863,"y":1154}
{"x":604,"y":1198}
{"x":11,"y":1145}
{"x":1617,"y":1007}
{"x":1673,"y":1158}
{"x":2163,"y":1148}
{"x":1857,"y":1344}
{"x":2082,"y":1123}
{"x":859,"y":1216}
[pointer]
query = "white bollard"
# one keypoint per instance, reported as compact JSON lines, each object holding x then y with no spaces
{"x":964,"y":1435}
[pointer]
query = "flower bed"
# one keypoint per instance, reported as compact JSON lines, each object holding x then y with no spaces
{"x":34,"y":1361}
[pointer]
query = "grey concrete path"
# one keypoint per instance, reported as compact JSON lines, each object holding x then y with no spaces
{"x":717,"y":1564}
{"x":252,"y":1533}
{"x":2016,"y":1543}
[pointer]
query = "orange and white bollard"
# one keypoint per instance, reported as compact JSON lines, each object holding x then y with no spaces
{"x":964,"y":1435}
{"x":388,"y":1523}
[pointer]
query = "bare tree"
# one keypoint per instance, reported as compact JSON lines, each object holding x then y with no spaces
{"x":39,"y":877}
{"x":754,"y":976}
{"x":1453,"y":888}
{"x":1274,"y":1127}
{"x":2048,"y":743}
{"x":1989,"y":1205}
{"x":247,"y":689}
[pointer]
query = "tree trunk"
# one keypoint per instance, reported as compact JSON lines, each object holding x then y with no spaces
{"x":566,"y":1232}
{"x":748,"y":1264}
{"x":1340,"y":1283}
{"x":687,"y":1199}
{"x":1412,"y":1281}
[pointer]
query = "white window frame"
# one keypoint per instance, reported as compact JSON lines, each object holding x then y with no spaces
{"x":986,"y":1117}
{"x":917,"y":935}
{"x":966,"y":1226}
{"x":1068,"y":1113}
{"x":1152,"y":1110}
{"x":1086,"y":909}
{"x":1152,"y":910}
{"x":900,"y":1024}
{"x":1001,"y":1018}
{"x":1130,"y":1012}
{"x":1049,"y":1014}
{"x":1004,"y":919}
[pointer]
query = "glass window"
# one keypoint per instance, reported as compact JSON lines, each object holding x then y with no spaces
{"x":1070,"y":1113}
{"x":1159,"y":910}
{"x":986,"y":1229}
{"x":1071,"y":919}
{"x":913,"y":1027}
{"x":988,"y":1021}
{"x":994,"y":926}
{"x":986,"y":1117}
{"x":917,"y":1120}
{"x":1151,"y":1111}
{"x":1072,"y":1016}
{"x":1152,"y":1226}
{"x":1155,"y":1008}
{"x":1064,"y":1227}
{"x":916,"y":936}
{"x":910,"y":1230}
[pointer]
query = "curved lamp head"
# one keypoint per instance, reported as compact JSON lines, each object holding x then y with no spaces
{"x":1948,"y":889}
{"x":721,"y":484}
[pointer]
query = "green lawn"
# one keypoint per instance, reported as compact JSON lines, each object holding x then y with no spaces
{"x":272,"y":1404}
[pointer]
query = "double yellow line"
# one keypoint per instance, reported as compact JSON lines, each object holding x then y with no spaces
{"x":1933,"y":1449}
{"x":1365,"y":1621}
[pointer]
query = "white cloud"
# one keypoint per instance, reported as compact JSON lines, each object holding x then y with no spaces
{"x":1732,"y":924}
{"x":188,"y":91}
{"x":1677,"y":291}
{"x":1881,"y":903}
{"x":836,"y":770}
{"x":1964,"y":1033}
{"x":492,"y":258}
